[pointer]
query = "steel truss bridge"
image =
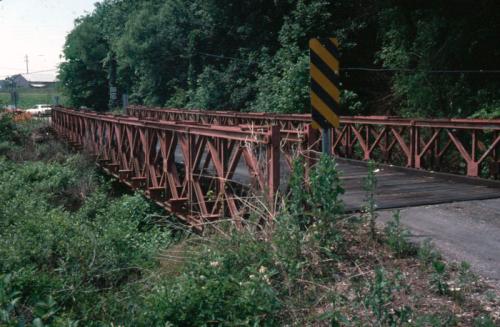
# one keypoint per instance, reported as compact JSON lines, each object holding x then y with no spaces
{"x":205,"y":165}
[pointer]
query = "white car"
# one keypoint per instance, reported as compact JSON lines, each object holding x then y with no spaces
{"x":40,"y":109}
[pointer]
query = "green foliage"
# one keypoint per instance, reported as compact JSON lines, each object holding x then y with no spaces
{"x":326,"y":204}
{"x":28,"y":98}
{"x":417,"y":37}
{"x":73,"y":255}
{"x":9,"y":299}
{"x":242,"y":278}
{"x":397,"y":236}
{"x":438,"y":278}
{"x":227,"y":283}
{"x":82,"y":75}
{"x":326,"y":189}
{"x":427,"y":253}
{"x":484,"y":321}
{"x":381,"y":294}
{"x":56,"y":260}
{"x":298,"y":193}
{"x":214,"y":54}
{"x":13,"y":136}
{"x":442,"y":319}
{"x":7,"y":128}
{"x":283,"y":86}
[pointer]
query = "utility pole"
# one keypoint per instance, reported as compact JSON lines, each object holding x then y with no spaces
{"x":14,"y":97}
{"x":27,"y":64}
{"x":113,"y":91}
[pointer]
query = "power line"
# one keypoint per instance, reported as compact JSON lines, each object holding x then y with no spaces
{"x":219,"y":56}
{"x":31,"y":73}
{"x":43,"y":71}
{"x":371,"y":69}
{"x":430,"y":71}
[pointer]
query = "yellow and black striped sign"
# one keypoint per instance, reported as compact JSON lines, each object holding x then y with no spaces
{"x":325,"y":85}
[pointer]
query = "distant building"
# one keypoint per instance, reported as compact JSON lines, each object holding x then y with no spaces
{"x":37,"y":80}
{"x":20,"y":81}
{"x":41,"y":80}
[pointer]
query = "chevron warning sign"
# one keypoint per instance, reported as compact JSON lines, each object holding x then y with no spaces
{"x":325,"y":90}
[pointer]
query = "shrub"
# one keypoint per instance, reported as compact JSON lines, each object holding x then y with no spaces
{"x":438,"y":278}
{"x":228,"y":282}
{"x":326,"y":205}
{"x":426,"y":252}
{"x":397,"y":236}
{"x":63,"y":261}
{"x":381,"y":295}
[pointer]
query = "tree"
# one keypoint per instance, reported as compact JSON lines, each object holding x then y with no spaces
{"x":82,"y":75}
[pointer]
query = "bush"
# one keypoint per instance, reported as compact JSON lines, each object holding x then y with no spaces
{"x":229,"y":284}
{"x":64,"y":261}
{"x":438,"y":278}
{"x":397,"y":237}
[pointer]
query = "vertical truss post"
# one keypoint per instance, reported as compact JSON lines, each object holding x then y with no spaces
{"x":413,"y":144}
{"x":495,"y":165}
{"x":273,"y":163}
{"x":472,"y":163}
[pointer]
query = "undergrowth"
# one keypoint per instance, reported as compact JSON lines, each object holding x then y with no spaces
{"x":72,"y":254}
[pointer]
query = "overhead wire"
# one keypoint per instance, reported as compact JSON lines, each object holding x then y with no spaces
{"x":375,"y":69}
{"x":346,"y":69}
{"x":31,"y":73}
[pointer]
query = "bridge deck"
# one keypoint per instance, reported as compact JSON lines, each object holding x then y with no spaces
{"x":400,"y":188}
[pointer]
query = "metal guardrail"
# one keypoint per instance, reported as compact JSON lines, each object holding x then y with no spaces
{"x":463,"y":146}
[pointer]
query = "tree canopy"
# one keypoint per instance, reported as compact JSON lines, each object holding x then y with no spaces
{"x":423,"y":58}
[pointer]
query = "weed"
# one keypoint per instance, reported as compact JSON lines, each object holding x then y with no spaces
{"x":484,"y":321}
{"x":370,"y":186}
{"x":381,"y":295}
{"x":335,"y":316}
{"x":438,"y":278}
{"x":466,"y":280}
{"x":326,"y":205}
{"x":427,"y":253}
{"x":465,"y":276}
{"x":397,"y":237}
{"x":9,"y":299}
{"x":445,"y":319}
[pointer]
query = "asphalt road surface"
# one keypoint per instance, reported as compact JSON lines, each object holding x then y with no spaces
{"x":462,"y":231}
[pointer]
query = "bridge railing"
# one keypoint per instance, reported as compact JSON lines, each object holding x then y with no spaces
{"x":464,"y":146}
{"x":189,"y":168}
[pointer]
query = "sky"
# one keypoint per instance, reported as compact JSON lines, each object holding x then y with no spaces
{"x":36,"y":28}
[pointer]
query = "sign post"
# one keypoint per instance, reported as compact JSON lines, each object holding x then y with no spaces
{"x":325,"y":87}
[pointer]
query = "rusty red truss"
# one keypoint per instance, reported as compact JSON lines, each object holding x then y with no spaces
{"x":188,"y":168}
{"x":224,"y":118}
{"x":463,"y":146}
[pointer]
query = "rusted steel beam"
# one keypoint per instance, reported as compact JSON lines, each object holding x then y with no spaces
{"x":186,"y":168}
{"x":463,"y":146}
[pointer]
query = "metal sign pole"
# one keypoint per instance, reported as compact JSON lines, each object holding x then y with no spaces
{"x":326,"y":144}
